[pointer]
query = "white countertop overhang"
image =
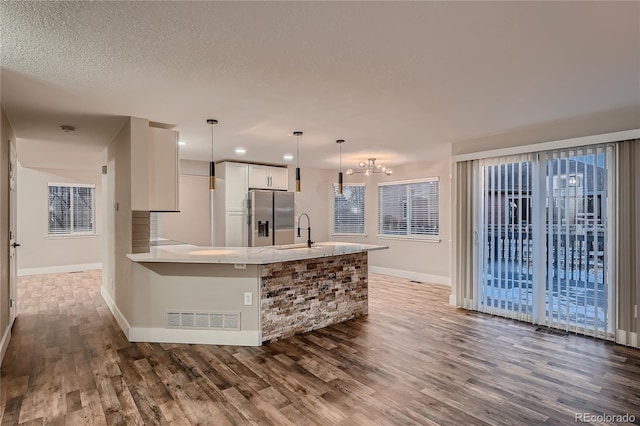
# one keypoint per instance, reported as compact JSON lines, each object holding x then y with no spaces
{"x":186,"y":253}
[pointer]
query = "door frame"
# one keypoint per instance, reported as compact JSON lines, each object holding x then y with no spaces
{"x":13,"y":233}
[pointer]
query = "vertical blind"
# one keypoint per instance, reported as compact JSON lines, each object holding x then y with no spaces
{"x":348,"y":211}
{"x":505,"y":227}
{"x":409,"y":208}
{"x":71,"y":209}
{"x":544,"y":239}
{"x":577,"y":236}
{"x":627,"y":267}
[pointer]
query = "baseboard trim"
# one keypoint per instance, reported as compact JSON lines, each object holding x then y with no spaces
{"x":166,"y":335}
{"x":4,"y":344}
{"x":120,"y":319}
{"x":23,"y":272}
{"x":416,"y":276}
{"x":621,"y":338}
{"x":206,"y":337}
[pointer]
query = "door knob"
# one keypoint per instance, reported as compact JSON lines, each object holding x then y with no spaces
{"x":14,"y":245}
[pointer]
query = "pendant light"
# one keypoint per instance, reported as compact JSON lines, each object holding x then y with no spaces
{"x":212,"y":165}
{"x":340,"y":142}
{"x":297,"y":135}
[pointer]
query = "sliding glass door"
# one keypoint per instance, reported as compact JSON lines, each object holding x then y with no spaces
{"x":544,"y":240}
{"x":505,"y":274}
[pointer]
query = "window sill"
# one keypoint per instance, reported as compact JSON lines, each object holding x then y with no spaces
{"x":409,"y":238}
{"x":70,"y":236}
{"x":350,"y":235}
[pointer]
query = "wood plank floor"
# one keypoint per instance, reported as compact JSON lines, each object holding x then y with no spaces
{"x":413,"y":360}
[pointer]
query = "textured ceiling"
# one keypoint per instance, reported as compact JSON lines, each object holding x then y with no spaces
{"x":397,"y":80}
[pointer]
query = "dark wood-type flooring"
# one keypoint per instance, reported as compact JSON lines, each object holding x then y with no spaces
{"x":413,"y":360}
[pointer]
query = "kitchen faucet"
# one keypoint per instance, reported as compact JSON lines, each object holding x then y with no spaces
{"x":309,"y":242}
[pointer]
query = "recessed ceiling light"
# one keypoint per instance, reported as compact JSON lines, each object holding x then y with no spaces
{"x":241,"y":151}
{"x":288,"y":157}
{"x":182,"y":143}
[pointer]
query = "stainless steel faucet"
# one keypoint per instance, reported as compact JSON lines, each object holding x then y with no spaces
{"x":309,"y":242}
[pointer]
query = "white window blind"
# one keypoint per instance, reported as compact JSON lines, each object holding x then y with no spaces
{"x":348,"y":210}
{"x":409,"y":208}
{"x":71,"y":209}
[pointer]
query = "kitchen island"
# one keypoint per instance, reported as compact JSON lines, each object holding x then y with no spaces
{"x":244,"y":295}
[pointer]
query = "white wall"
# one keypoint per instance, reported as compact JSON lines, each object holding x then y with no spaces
{"x":116,"y":271}
{"x":40,"y":253}
{"x":192,"y":224}
{"x":586,"y":125}
{"x":410,"y":258}
{"x":313,"y":199}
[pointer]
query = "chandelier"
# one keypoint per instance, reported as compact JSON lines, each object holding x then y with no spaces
{"x":370,"y":167}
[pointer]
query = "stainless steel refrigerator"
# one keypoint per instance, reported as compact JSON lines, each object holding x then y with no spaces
{"x":271,"y":218}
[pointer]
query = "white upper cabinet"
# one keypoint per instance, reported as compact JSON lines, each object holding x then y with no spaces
{"x":258,"y":176}
{"x":163,"y":170}
{"x":279,"y":178}
{"x":236,"y":186}
{"x":268,"y":177}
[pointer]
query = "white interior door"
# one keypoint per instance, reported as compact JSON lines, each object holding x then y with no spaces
{"x":13,"y":243}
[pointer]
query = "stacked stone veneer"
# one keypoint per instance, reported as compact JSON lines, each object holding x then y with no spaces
{"x":304,"y":295}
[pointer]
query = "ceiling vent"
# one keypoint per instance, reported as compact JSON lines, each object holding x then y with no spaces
{"x":203,"y":320}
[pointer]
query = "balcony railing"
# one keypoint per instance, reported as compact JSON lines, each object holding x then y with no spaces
{"x":572,"y":248}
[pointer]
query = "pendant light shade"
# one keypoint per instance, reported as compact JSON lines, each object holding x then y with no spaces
{"x":340,"y":142}
{"x":212,"y":164}
{"x":297,"y":135}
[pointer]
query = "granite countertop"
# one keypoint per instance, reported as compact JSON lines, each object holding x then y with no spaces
{"x":186,"y":253}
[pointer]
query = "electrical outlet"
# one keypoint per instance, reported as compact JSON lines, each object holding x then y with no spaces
{"x":248,"y":299}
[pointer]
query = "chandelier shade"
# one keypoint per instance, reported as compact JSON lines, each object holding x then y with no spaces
{"x":370,"y":167}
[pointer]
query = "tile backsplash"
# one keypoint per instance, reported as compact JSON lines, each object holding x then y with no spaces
{"x":140,"y":231}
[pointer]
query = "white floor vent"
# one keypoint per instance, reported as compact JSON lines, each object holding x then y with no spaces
{"x":204,"y":320}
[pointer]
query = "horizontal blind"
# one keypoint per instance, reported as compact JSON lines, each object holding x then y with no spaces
{"x":83,"y":214}
{"x":71,"y":209}
{"x":348,"y":211}
{"x":59,"y":210}
{"x":409,"y":209}
{"x":424,"y":213}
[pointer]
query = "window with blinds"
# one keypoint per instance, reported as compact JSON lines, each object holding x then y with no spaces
{"x":348,"y":210}
{"x":409,"y":209}
{"x":71,"y":209}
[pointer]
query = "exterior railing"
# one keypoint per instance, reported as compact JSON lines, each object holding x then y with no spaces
{"x":572,"y":247}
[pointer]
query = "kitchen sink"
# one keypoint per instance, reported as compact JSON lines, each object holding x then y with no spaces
{"x":292,"y":246}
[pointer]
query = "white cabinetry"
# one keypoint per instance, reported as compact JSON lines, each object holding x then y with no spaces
{"x":233,"y":181}
{"x":268,"y":177}
{"x":279,"y":178}
{"x":230,"y":198}
{"x":236,"y":186}
{"x":163,"y":170}
{"x":237,"y":226}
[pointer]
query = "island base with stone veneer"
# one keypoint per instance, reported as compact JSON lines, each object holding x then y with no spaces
{"x":303,"y":295}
